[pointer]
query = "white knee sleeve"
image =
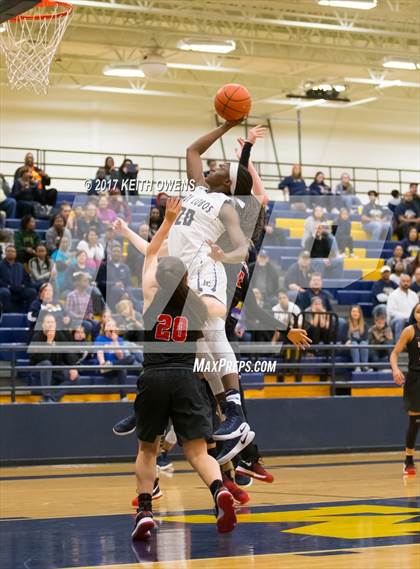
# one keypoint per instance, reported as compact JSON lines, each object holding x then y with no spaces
{"x":213,"y":377}
{"x":221,"y":350}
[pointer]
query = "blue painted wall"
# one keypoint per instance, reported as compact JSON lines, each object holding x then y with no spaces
{"x":73,"y":431}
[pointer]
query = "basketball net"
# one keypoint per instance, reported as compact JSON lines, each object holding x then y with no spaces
{"x":30,"y":41}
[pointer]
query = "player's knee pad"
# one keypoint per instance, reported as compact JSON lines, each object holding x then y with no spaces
{"x":219,"y":346}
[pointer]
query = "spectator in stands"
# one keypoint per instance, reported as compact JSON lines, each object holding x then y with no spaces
{"x":400,"y":305}
{"x":104,"y":211}
{"x":41,"y":268}
{"x":79,"y":264}
{"x":25,"y":193}
{"x":120,"y":205}
{"x":127,"y":176}
{"x":397,"y":272}
{"x":347,"y":194}
{"x":6,"y":239}
{"x":26,"y":239}
{"x":394,"y":201}
{"x":272,"y":235}
{"x":47,"y":196}
{"x":109,"y":336}
{"x":358,"y":336}
{"x":415,"y":285}
{"x":211,"y":167}
{"x":380,"y":333}
{"x":83,"y":357}
{"x":7,"y":203}
{"x":46,"y":303}
{"x":375,"y":219}
{"x":298,"y":275}
{"x":382,"y":288}
{"x":111,"y":173}
{"x":108,"y":241}
{"x":155,"y":220}
{"x":264,"y":276}
{"x":304,"y":298}
{"x":56,"y":232}
{"x":311,"y":223}
{"x":50,"y":336}
{"x":286,"y":311}
{"x":414,"y":265}
{"x":324,"y":252}
{"x":129,"y":321}
{"x":342,"y":232}
{"x":62,"y":258}
{"x":89,"y":221}
{"x":321,"y":192}
{"x":411,"y":244}
{"x":318,"y":323}
{"x":413,"y":188}
{"x":91,"y":246}
{"x":16,"y":292}
{"x":406,"y":215}
{"x":296,"y":188}
{"x":118,"y":277}
{"x":397,"y":257}
{"x":67,"y":213}
{"x":79,"y":305}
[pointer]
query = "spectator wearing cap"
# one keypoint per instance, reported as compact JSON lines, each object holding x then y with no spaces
{"x":407,"y":215}
{"x":382,"y":288}
{"x":346,"y":194}
{"x":298,"y":275}
{"x":400,"y":305}
{"x":324,"y":252}
{"x":304,"y":299}
{"x":375,"y":220}
{"x":264,"y":276}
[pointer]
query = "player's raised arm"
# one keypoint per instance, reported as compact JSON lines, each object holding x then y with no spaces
{"x":230,"y":219}
{"x":197,"y":148}
{"x":120,"y":227}
{"x":400,"y":346}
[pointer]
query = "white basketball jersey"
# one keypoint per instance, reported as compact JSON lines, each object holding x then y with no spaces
{"x":198,"y":221}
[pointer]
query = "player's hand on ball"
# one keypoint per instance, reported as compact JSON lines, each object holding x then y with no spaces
{"x":119,"y":226}
{"x":299,"y":337}
{"x":230,"y":124}
{"x":256,"y":132}
{"x":216,"y":253}
{"x":398,"y":377}
{"x":173,"y":207}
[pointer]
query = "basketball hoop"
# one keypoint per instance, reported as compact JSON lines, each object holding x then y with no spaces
{"x":29,"y":42}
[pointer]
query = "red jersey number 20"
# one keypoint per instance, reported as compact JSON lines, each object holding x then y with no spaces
{"x":169,"y":328}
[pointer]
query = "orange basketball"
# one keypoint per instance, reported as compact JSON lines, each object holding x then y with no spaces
{"x":232,"y":102}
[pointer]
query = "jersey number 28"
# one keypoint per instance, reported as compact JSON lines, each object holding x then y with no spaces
{"x":169,"y":328}
{"x":185,"y":217}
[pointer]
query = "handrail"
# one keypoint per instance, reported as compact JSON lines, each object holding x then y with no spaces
{"x":330,"y":366}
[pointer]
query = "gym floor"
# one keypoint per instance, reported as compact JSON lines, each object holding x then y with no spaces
{"x":332,"y":511}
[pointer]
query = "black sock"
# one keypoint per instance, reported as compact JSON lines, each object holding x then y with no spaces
{"x":409,"y":459}
{"x":215,"y":487}
{"x":413,"y":426}
{"x":145,"y":503}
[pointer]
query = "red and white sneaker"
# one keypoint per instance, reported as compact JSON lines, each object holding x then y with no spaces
{"x":225,"y":511}
{"x":239,"y":495}
{"x":142,"y":526}
{"x":409,"y":470}
{"x":254,"y":470}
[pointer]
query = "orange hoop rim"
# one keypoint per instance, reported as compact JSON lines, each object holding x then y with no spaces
{"x":67,"y":9}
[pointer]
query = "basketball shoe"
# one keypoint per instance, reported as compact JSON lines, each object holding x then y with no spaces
{"x":239,"y":495}
{"x":225,"y":511}
{"x":254,"y":469}
{"x":143,"y":524}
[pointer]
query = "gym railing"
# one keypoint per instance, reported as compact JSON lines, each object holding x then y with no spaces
{"x":329,"y":368}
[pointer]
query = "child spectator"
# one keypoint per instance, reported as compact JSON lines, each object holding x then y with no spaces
{"x":380,"y":333}
{"x":41,"y":268}
{"x":26,"y":239}
{"x":358,"y":336}
{"x":342,"y":232}
{"x":56,"y":232}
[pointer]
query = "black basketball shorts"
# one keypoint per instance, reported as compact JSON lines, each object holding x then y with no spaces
{"x":412,"y":392}
{"x":171,"y":393}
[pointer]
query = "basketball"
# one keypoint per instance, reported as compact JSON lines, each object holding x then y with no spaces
{"x":232,"y":102}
